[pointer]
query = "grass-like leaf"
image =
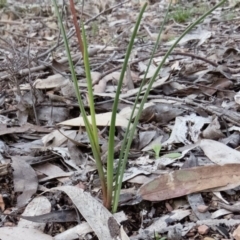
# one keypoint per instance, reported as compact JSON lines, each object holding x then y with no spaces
{"x":144,"y":99}
{"x":92,"y":128}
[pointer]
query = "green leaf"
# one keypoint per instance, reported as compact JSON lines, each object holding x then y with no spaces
{"x":172,"y":155}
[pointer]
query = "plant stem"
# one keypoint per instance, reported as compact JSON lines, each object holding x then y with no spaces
{"x":91,"y":128}
{"x":110,"y":158}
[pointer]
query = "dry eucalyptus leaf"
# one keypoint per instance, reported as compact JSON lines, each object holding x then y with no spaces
{"x":185,"y":181}
{"x":38,"y":206}
{"x":52,"y":114}
{"x":219,"y":153}
{"x":13,"y":233}
{"x":80,"y":230}
{"x":99,"y":218}
{"x":54,"y":216}
{"x":102,"y":119}
{"x":52,"y":171}
{"x":213,"y":130}
{"x":57,"y":138}
{"x":53,"y":81}
{"x":161,"y":113}
{"x":25,"y":180}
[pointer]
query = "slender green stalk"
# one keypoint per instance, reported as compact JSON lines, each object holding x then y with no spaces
{"x":91,"y":129}
{"x":90,"y":91}
{"x":117,"y":185}
{"x":130,"y":136}
{"x":110,"y":159}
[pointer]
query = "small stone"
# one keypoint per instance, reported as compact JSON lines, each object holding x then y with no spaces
{"x":203,"y":229}
{"x":202,"y":208}
{"x":229,"y":216}
{"x":9,"y":224}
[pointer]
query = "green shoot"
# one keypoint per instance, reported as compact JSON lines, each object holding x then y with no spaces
{"x":157,"y":148}
{"x":181,"y":14}
{"x":95,"y":29}
{"x":114,"y":111}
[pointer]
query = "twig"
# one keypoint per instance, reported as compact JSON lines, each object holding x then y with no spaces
{"x":32,"y":91}
{"x":106,"y":10}
{"x":231,"y":208}
{"x":220,"y":112}
{"x":72,"y":32}
{"x":162,"y":54}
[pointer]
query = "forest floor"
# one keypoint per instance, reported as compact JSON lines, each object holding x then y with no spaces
{"x":182,"y":178}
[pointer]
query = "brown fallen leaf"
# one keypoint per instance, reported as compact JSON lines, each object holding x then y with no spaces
{"x":4,"y":129}
{"x":24,"y":179}
{"x":52,"y":81}
{"x":98,"y":217}
{"x":186,"y":181}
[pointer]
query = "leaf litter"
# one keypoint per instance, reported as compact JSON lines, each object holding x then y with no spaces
{"x":189,"y":191}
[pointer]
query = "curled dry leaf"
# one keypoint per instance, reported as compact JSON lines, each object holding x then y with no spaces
{"x":53,"y":81}
{"x":200,"y":35}
{"x":101,"y":86}
{"x":39,"y":205}
{"x":213,"y":130}
{"x":160,"y":113}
